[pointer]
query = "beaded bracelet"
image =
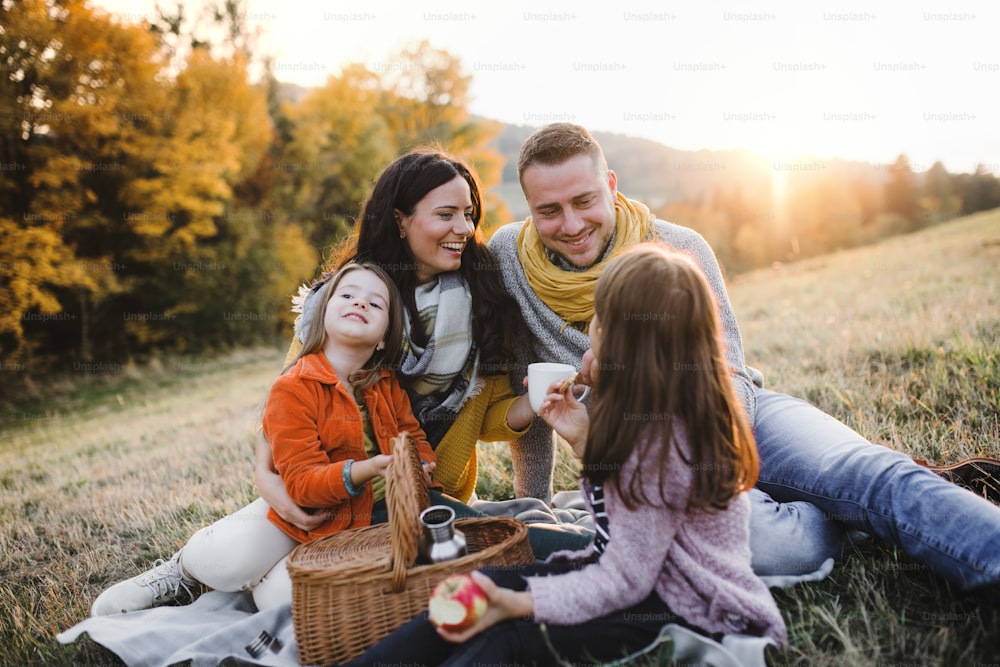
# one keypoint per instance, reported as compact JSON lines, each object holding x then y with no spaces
{"x":348,"y":484}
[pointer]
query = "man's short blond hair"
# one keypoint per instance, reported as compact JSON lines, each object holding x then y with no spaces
{"x":556,"y":143}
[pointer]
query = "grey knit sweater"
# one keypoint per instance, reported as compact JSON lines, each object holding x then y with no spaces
{"x":548,"y":339}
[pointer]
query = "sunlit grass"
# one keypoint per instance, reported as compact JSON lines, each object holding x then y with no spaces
{"x":901,"y":341}
{"x":95,"y":494}
{"x":898,"y":340}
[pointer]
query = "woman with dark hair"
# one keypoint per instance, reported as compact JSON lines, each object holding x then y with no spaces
{"x":381,"y":239}
{"x":421,"y":226}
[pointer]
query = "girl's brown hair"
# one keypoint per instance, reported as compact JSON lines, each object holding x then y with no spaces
{"x":314,"y":337}
{"x":662,"y":364}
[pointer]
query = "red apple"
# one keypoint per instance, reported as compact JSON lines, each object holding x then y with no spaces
{"x":457,"y":603}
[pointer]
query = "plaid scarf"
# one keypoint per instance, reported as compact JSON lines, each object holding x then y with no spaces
{"x":440,"y":377}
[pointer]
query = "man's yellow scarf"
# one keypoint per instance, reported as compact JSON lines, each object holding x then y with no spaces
{"x":570,"y":294}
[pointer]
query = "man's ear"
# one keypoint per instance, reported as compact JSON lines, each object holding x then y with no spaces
{"x":613,"y":182}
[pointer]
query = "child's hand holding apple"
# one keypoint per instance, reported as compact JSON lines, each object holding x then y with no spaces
{"x":464,"y":605}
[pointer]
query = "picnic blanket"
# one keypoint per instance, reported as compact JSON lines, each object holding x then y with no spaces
{"x":226,"y":628}
{"x":214,"y":628}
{"x":567,"y":509}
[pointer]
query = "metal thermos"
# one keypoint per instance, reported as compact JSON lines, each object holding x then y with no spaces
{"x":440,"y":540}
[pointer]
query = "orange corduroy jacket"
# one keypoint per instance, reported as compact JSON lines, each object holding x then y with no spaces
{"x":314,"y":426}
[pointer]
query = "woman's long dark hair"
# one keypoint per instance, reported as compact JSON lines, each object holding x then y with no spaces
{"x":376,"y":240}
{"x":661,"y":358}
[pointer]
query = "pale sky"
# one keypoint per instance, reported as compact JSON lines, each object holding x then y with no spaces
{"x":849,"y":79}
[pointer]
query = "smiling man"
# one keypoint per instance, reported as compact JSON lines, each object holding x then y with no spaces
{"x":818,"y":468}
{"x":573,"y":207}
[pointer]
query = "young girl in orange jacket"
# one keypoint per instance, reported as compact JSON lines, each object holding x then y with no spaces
{"x":331,"y":415}
{"x":330,"y":418}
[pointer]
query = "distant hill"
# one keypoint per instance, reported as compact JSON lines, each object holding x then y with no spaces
{"x":657,"y":174}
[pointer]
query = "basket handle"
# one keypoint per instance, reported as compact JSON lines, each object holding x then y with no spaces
{"x":406,"y":496}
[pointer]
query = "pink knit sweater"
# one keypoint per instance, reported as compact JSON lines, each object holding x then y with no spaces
{"x":697,"y":561}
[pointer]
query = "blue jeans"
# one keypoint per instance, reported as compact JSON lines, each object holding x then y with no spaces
{"x":791,"y":539}
{"x":807,"y":455}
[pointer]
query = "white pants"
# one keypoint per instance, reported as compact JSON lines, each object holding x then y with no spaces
{"x":242,"y":552}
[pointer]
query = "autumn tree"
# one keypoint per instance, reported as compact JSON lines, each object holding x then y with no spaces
{"x":425,"y":101}
{"x":231,"y":258}
{"x":78,"y":89}
{"x":219,"y":27}
{"x":901,"y":193}
{"x":133,"y":204}
{"x":938,"y":201}
{"x":710,"y":222}
{"x":336,"y":148}
{"x":979,"y":191}
{"x":869,"y":199}
{"x":153,"y":197}
{"x":342,"y":135}
{"x":825,"y":215}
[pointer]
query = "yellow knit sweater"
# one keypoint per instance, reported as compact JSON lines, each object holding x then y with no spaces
{"x":483,"y":417}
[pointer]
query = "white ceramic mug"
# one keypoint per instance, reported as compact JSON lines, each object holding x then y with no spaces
{"x":541,"y":375}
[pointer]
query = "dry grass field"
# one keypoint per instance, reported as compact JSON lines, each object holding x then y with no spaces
{"x":900,"y":340}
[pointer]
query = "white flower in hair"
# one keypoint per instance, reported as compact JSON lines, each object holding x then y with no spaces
{"x":299,"y":300}
{"x":305,"y":303}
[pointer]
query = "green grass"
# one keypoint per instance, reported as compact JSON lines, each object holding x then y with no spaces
{"x":899,"y":340}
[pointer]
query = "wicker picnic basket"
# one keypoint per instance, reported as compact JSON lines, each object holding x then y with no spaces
{"x":353,"y":588}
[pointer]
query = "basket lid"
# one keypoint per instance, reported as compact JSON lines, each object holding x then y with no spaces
{"x":406,"y":496}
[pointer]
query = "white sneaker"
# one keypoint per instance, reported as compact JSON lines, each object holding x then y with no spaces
{"x":163,"y":584}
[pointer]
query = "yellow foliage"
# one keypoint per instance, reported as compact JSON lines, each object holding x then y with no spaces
{"x":31,"y":260}
{"x":129,"y":155}
{"x":295,"y":260}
